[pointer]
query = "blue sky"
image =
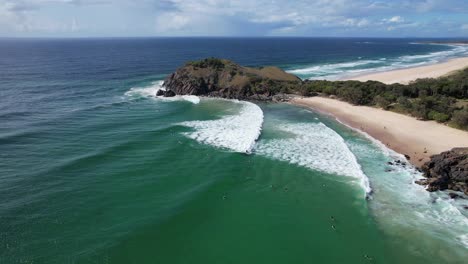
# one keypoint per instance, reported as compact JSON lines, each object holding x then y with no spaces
{"x":334,"y":18}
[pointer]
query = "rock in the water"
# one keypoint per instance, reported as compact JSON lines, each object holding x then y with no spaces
{"x":169,"y":93}
{"x":407,"y":157}
{"x":223,"y":78}
{"x":454,"y":195}
{"x":447,"y":170}
{"x":160,"y":93}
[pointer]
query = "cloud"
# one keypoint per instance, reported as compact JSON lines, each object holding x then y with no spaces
{"x":232,"y":17}
{"x":396,"y":19}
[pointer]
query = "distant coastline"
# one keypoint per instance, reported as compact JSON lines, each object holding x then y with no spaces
{"x":405,"y":76}
{"x":455,"y":42}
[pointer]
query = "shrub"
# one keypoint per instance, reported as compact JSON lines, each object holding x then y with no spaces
{"x":460,"y":118}
{"x":439,"y":117}
{"x":209,"y":62}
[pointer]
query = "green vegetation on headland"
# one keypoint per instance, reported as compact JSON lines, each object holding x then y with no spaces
{"x":444,"y":100}
{"x":226,"y":79}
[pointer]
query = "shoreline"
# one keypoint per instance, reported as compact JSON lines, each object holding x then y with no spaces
{"x":405,"y":76}
{"x":403,"y":134}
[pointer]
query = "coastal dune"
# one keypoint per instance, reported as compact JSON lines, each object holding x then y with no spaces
{"x":405,"y":76}
{"x":404,"y":134}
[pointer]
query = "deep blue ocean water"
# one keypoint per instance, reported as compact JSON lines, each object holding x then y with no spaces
{"x":94,"y":169}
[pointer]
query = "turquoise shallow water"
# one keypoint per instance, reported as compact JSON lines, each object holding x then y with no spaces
{"x":93,"y":169}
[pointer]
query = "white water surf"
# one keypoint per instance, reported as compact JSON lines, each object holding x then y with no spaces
{"x":237,"y":132}
{"x":151,"y":90}
{"x":314,"y":146}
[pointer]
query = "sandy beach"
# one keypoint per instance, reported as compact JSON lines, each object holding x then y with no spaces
{"x":404,"y":134}
{"x":404,"y":76}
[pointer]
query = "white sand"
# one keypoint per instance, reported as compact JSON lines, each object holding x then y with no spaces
{"x":404,"y":76}
{"x":404,"y":134}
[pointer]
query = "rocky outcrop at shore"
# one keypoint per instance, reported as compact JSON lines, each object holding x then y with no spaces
{"x":223,"y":78}
{"x":447,"y":171}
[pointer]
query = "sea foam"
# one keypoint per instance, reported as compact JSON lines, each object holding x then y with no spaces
{"x":151,"y":90}
{"x":418,"y":209}
{"x":334,"y":71}
{"x":314,"y":146}
{"x":237,"y":132}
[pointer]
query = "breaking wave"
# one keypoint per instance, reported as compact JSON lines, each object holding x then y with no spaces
{"x":151,"y":90}
{"x":418,"y":209}
{"x":314,"y":146}
{"x":234,"y":132}
{"x":334,"y":71}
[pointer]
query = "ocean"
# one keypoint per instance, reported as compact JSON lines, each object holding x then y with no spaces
{"x":95,"y":169}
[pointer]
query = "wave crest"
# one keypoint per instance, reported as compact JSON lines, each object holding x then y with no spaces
{"x":334,"y":71}
{"x":151,"y":90}
{"x":234,"y":132}
{"x":315,"y":146}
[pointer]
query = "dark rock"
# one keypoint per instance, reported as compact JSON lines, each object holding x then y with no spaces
{"x":407,"y":157}
{"x":388,"y":170}
{"x":281,"y":98}
{"x":454,"y":195}
{"x":390,"y":163}
{"x":169,"y":93}
{"x":422,"y":182}
{"x":160,"y":93}
{"x":447,"y":170}
{"x":222,"y":78}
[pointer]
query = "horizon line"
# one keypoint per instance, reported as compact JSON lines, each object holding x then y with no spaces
{"x":220,"y":37}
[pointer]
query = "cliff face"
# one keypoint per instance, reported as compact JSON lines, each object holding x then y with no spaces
{"x":223,"y":78}
{"x":447,"y":170}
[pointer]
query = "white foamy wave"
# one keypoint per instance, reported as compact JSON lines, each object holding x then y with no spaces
{"x":148,"y":91}
{"x":332,"y":68}
{"x":463,"y":239}
{"x":234,"y":132}
{"x":315,"y":146}
{"x":428,"y":211}
{"x":438,"y":55}
{"x":334,"y":71}
{"x":151,"y":90}
{"x":191,"y":98}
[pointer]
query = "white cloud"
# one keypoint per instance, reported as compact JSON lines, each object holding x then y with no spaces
{"x":222,"y":17}
{"x":394,"y":20}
